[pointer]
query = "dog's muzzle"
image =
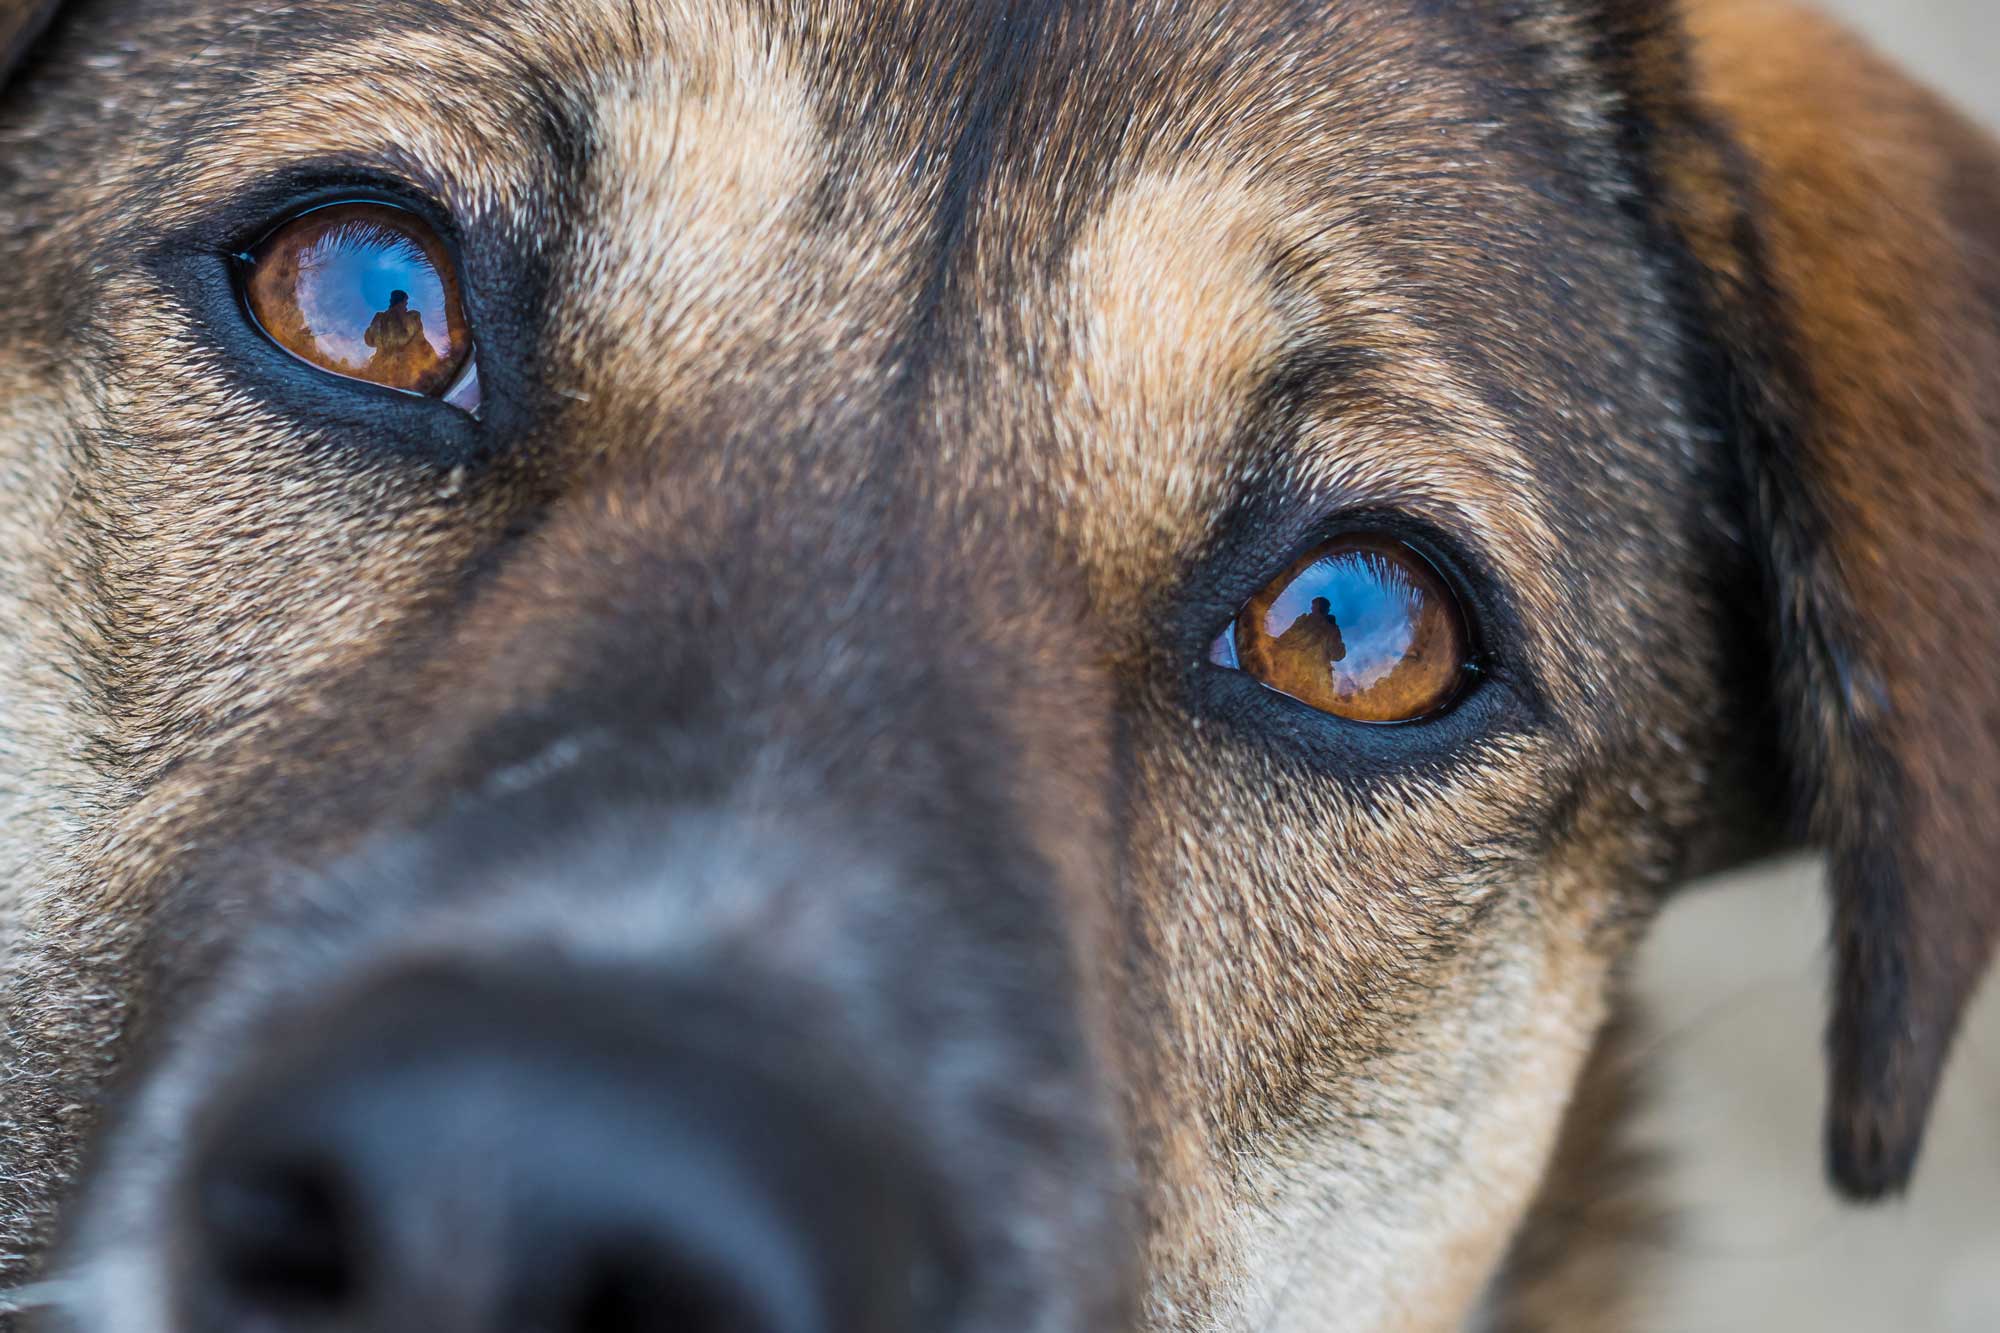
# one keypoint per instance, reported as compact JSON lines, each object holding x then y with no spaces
{"x":664,"y":967}
{"x":458,"y":1150}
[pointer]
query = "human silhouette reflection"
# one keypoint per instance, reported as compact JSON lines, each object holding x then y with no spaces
{"x":1315,"y":634}
{"x":403,"y":355}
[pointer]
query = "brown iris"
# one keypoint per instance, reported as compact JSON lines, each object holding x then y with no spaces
{"x":364,"y":290}
{"x":1361,"y":627}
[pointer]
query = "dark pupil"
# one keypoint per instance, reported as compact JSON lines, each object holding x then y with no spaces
{"x":1357,"y":611}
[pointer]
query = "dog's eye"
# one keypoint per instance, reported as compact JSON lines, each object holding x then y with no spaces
{"x":363,"y":290}
{"x":1361,"y":627}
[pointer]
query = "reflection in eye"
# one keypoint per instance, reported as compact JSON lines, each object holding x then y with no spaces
{"x":364,"y":290}
{"x":1363,"y":627}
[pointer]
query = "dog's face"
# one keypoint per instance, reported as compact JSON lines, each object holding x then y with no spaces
{"x":1008,"y":667}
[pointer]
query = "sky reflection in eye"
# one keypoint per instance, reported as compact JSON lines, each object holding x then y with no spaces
{"x":363,"y":290}
{"x":348,"y":283}
{"x":1361,"y":611}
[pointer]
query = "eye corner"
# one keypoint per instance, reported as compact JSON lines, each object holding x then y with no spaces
{"x":1221,"y":650}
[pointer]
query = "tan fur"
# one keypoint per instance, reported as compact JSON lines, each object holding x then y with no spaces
{"x":1338,"y":1023}
{"x":1582,"y":1262}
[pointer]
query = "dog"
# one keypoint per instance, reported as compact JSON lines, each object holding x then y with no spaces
{"x":957,"y":665}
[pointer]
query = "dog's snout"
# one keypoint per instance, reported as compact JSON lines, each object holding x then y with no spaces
{"x":459,"y":1155}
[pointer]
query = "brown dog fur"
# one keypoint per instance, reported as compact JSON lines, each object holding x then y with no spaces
{"x":1682,"y":337}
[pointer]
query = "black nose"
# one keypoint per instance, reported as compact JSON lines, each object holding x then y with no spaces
{"x":458,"y":1155}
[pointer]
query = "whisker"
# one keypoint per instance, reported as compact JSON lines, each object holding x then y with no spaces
{"x":37,"y":1296}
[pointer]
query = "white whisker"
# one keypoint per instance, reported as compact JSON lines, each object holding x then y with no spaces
{"x":37,"y":1296}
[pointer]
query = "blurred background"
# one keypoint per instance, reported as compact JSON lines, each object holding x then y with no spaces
{"x":1735,"y":977}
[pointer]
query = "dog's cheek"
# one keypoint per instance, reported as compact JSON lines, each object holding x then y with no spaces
{"x":1361,"y":1026}
{"x":179,"y":575}
{"x":54,"y":785}
{"x":1393,"y":1191}
{"x":1448,"y":1172}
{"x":241,"y":557}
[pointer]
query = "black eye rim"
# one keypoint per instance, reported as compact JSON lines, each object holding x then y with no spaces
{"x":242,"y":261}
{"x":1264,"y":536}
{"x":356,"y":421}
{"x":1470,"y":671}
{"x":469,"y":369}
{"x":291,"y":207}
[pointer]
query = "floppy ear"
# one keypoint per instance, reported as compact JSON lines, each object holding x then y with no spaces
{"x":1843,"y":234}
{"x":21,"y":22}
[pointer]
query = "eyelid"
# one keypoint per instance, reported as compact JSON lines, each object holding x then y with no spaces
{"x":264,"y":207}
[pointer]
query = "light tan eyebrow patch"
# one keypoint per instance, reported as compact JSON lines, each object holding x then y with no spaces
{"x":1174,"y":296}
{"x":1166,"y":321}
{"x":1179,"y":303}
